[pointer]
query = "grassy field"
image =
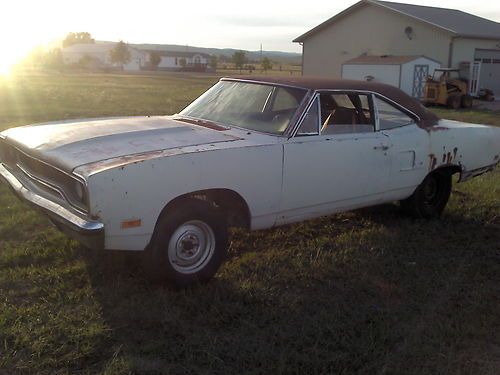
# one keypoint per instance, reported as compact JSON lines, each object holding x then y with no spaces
{"x":365,"y":292}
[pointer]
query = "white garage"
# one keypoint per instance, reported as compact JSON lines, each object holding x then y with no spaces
{"x":406,"y":72}
{"x":489,"y":76}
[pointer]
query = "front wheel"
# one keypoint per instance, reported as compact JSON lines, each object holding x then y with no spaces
{"x":454,"y":102}
{"x":467,"y":101}
{"x":431,"y":196}
{"x":189,"y":244}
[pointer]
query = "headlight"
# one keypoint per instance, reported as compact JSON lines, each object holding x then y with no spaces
{"x":79,"y":191}
{"x":76,"y":193}
{"x":8,"y":154}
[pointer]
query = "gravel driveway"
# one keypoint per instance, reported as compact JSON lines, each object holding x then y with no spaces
{"x":492,"y":106}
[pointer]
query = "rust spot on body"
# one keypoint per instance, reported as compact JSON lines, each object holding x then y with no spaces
{"x":437,"y":129}
{"x":449,"y":157}
{"x":432,"y":161}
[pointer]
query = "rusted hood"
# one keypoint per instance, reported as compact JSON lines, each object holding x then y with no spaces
{"x":70,"y":144}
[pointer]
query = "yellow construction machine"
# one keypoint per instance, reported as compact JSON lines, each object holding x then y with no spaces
{"x":446,"y":87}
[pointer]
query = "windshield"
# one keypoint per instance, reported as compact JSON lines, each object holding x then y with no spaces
{"x":452,"y":74}
{"x":253,"y":106}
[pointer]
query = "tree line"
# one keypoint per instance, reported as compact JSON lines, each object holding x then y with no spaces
{"x":120,"y":55}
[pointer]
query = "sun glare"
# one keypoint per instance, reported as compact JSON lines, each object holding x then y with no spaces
{"x":5,"y":68}
{"x":11,"y":55}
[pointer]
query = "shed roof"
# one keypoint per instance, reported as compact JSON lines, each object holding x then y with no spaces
{"x":456,"y":22}
{"x":383,"y":60}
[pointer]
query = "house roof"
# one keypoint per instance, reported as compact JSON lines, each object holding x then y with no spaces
{"x":94,"y":48}
{"x":383,"y":60}
{"x":454,"y":21}
{"x":88,"y":47}
{"x":182,"y":54}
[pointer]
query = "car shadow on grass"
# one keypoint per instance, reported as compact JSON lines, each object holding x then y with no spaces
{"x":367,"y":292}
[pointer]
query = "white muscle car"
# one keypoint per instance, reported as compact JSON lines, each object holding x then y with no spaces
{"x":249,"y":152}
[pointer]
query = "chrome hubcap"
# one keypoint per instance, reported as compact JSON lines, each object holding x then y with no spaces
{"x":191,"y":246}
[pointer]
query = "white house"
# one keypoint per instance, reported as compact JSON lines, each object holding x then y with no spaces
{"x":409,"y":73}
{"x":182,"y":60}
{"x":99,"y":55}
{"x":371,"y":27}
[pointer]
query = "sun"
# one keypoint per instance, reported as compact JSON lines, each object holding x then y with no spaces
{"x":8,"y":59}
{"x":5,"y":68}
{"x":13,"y":52}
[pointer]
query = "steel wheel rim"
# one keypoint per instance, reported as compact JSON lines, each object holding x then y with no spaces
{"x":191,"y":246}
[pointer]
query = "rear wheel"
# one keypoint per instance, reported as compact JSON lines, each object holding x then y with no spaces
{"x":466,"y":101}
{"x":454,"y":102}
{"x":430,"y":198}
{"x":189,"y":244}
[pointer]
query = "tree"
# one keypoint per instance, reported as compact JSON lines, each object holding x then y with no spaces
{"x":266,"y":64}
{"x":54,"y":58}
{"x":223,"y":59}
{"x":77,"y":38}
{"x":239,"y":59}
{"x":85,"y":61}
{"x":213,"y":62}
{"x":120,"y":54}
{"x":155,"y":58}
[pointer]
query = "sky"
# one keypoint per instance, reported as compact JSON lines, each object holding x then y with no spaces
{"x":220,"y":23}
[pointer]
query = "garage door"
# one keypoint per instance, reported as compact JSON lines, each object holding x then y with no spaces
{"x":490,"y":69}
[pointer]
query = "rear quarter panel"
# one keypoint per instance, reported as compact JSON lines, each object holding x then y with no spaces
{"x":470,"y":146}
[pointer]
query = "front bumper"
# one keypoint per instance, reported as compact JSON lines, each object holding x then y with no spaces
{"x":90,"y":233}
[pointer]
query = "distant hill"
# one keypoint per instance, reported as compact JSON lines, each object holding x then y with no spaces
{"x":292,"y":58}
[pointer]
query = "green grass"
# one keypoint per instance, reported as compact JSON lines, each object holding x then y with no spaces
{"x":365,"y":292}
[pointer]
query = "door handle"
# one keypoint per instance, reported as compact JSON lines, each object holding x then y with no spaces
{"x":382,"y":147}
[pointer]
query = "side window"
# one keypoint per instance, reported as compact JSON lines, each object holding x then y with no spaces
{"x":310,"y":123}
{"x":343,"y":113}
{"x":389,"y":117}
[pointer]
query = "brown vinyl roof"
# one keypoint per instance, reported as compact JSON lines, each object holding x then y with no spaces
{"x":383,"y":60}
{"x":427,"y":118}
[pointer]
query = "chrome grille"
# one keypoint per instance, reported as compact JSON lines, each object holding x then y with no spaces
{"x":45,"y":177}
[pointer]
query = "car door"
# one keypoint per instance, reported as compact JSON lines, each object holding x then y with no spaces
{"x":335,"y":161}
{"x":410,"y":148}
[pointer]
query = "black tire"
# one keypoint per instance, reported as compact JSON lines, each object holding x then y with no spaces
{"x":187,"y":228}
{"x":466,"y":101}
{"x":431,"y":196}
{"x":454,"y":102}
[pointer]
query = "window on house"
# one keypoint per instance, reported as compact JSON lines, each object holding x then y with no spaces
{"x":346,"y":113}
{"x":390,"y":117}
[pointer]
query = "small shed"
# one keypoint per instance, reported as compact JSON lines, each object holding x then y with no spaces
{"x":406,"y":72}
